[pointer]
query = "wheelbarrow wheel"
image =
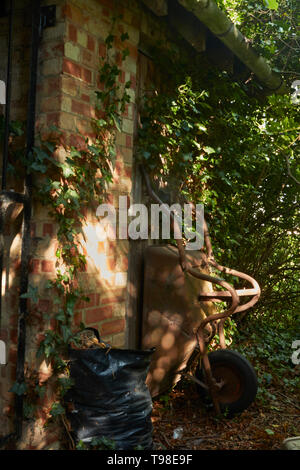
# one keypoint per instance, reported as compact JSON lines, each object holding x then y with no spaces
{"x":240,"y":381}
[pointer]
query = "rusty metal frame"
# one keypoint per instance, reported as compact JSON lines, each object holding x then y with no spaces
{"x":230,"y":294}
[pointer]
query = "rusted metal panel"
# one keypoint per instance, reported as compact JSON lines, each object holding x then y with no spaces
{"x":172,"y":312}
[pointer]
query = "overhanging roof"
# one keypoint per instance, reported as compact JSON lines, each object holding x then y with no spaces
{"x":208,"y":13}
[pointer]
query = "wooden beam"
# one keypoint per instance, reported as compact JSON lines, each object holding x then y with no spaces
{"x":158,"y":7}
{"x":188,"y":26}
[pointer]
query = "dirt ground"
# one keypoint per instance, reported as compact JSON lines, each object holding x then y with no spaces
{"x":261,"y":427}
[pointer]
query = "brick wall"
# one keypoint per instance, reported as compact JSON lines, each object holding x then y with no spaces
{"x":70,"y":54}
{"x":67,"y":78}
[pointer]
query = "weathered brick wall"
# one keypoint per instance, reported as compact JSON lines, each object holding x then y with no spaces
{"x":67,"y":78}
{"x":70,"y":54}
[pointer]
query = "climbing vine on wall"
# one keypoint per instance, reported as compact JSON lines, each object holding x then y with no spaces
{"x":68,"y":181}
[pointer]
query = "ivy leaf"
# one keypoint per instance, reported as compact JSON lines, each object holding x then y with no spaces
{"x":188,"y":156}
{"x":271,"y":4}
{"x":66,"y":333}
{"x":19,"y":388}
{"x":117,"y":122}
{"x":57,"y":409}
{"x":209,"y":150}
{"x":146,"y":155}
{"x":31,"y":294}
{"x":67,"y":171}
{"x":38,"y":167}
{"x":124,"y":36}
{"x":269,"y":432}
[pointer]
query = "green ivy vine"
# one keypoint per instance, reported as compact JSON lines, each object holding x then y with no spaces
{"x":67,"y":188}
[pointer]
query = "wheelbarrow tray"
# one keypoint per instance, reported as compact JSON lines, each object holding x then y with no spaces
{"x":172,"y":313}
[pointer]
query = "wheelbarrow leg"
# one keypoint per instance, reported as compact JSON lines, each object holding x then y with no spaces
{"x":213,"y":386}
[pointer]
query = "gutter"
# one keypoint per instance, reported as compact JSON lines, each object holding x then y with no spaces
{"x":222,"y":27}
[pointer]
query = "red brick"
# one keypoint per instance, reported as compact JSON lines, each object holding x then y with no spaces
{"x":125,"y":113}
{"x":39,"y":338}
{"x":111,"y":263}
{"x":86,"y":75}
{"x":81,"y":108}
{"x":85,"y":97}
{"x":133,"y":81}
{"x":133,"y":51}
{"x":71,"y":68}
{"x":118,"y":168}
{"x":78,"y":142}
{"x":47,"y":266}
{"x":102,"y":50}
{"x":87,"y":58}
{"x":66,"y":11}
{"x":13,"y":334}
{"x":113,"y":299}
{"x":74,"y":13}
{"x":124,"y":263}
{"x":118,"y":59}
{"x":53,"y":118}
{"x":127,"y":171}
{"x":91,"y":43}
{"x":128,"y":141}
{"x":72,"y":33}
{"x":122,"y":77}
{"x":34,"y":266}
{"x":12,"y":356}
{"x":94,"y":315}
{"x":77,"y":318}
{"x":47,"y":229}
{"x":94,"y":300}
{"x":45,"y":305}
{"x":50,"y":104}
{"x":32,"y":229}
{"x":112,"y":327}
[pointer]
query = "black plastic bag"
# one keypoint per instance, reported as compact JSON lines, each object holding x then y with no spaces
{"x":110,"y":397}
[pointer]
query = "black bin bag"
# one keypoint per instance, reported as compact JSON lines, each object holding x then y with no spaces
{"x":110,"y":398}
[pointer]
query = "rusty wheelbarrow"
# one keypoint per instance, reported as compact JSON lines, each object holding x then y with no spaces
{"x":180,"y":321}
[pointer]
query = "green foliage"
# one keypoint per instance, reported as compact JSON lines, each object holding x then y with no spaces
{"x":101,"y":443}
{"x":235,"y":151}
{"x":235,"y":154}
{"x":272,"y":27}
{"x":269,"y":349}
{"x":18,"y":388}
{"x":57,"y":409}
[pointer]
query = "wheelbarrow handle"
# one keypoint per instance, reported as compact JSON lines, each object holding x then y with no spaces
{"x":255,"y":291}
{"x":219,"y":316}
{"x":234,"y":308}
